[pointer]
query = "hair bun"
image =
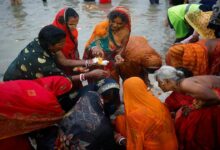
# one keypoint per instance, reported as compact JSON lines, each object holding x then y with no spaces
{"x":179,"y":73}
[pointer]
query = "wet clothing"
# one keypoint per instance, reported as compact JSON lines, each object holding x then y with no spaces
{"x":176,"y":100}
{"x":29,"y":105}
{"x":199,"y":129}
{"x":176,"y":16}
{"x":70,"y":49}
{"x":32,"y":62}
{"x":148,"y":123}
{"x":87,"y":124}
{"x":138,"y":55}
{"x":199,"y":58}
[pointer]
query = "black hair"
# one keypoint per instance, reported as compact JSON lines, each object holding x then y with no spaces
{"x":50,"y":35}
{"x":176,"y":2}
{"x":111,"y":106}
{"x":205,"y":8}
{"x":114,"y":14}
{"x":70,"y":12}
{"x":187,"y":73}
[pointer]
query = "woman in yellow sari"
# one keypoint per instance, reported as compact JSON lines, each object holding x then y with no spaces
{"x":110,"y":38}
{"x":148,"y":123}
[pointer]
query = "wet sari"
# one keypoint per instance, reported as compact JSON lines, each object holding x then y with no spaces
{"x":148,"y":123}
{"x":138,"y":55}
{"x":70,"y":49}
{"x":192,"y":56}
{"x":87,"y":125}
{"x":198,"y":57}
{"x":111,"y":44}
{"x":199,"y":129}
{"x":28,"y":105}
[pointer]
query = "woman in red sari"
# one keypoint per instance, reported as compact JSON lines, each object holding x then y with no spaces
{"x":67,"y":20}
{"x":29,"y":105}
{"x":197,"y":125}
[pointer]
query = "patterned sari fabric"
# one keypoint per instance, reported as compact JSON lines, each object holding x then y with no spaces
{"x":148,"y":123}
{"x":192,"y":56}
{"x":28,"y":105}
{"x":86,"y":126}
{"x":201,"y":58}
{"x":138,"y":55}
{"x":111,"y":44}
{"x":32,"y":62}
{"x":199,"y":130}
{"x":70,"y":49}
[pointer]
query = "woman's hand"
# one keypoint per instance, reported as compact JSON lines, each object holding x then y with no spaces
{"x":119,"y":59}
{"x":97,"y":74}
{"x":97,"y":52}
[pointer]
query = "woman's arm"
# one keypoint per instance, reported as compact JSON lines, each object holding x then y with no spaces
{"x":199,"y":91}
{"x":61,"y":59}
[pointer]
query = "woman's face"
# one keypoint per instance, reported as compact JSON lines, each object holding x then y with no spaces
{"x":72,"y":22}
{"x":116,"y":24}
{"x":57,"y":47}
{"x":165,"y":85}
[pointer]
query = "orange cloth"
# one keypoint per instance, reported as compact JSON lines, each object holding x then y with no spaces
{"x":148,"y":123}
{"x":138,"y":55}
{"x":192,"y":56}
{"x":114,"y":42}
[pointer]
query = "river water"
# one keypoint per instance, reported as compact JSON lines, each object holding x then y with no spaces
{"x":20,"y":24}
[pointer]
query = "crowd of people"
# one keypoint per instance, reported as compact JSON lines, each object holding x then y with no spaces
{"x":54,"y":100}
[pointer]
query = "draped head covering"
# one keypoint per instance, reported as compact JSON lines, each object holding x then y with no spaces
{"x":106,"y":84}
{"x":30,"y":105}
{"x":148,"y":122}
{"x":70,"y":49}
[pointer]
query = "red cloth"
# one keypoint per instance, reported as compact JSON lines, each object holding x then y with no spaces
{"x":70,"y":49}
{"x":200,"y":129}
{"x":13,"y":143}
{"x":28,"y":105}
{"x":176,"y":100}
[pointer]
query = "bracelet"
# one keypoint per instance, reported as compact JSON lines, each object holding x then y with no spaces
{"x":119,"y":142}
{"x":86,"y":63}
{"x":82,"y":77}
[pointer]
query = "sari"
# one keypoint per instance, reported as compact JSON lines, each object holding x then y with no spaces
{"x":111,"y":44}
{"x":200,"y":58}
{"x":176,"y":100}
{"x":31,"y":63}
{"x":70,"y":49}
{"x":148,"y":123}
{"x":192,"y":56}
{"x":138,"y":55}
{"x":199,"y":130}
{"x":28,"y":105}
{"x":87,"y":124}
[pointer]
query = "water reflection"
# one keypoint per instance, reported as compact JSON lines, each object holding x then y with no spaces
{"x":22,"y":23}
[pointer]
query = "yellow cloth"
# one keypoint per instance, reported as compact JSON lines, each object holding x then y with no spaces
{"x":192,"y":56}
{"x":148,"y":123}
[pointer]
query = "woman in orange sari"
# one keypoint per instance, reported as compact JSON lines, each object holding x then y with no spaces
{"x":201,"y":57}
{"x":148,"y":123}
{"x":110,"y":38}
